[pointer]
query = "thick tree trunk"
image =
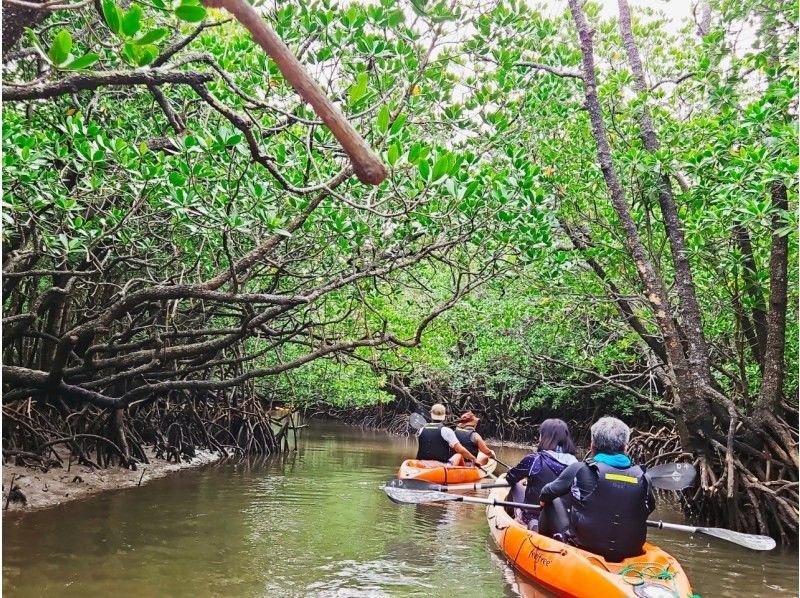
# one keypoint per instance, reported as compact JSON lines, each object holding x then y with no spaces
{"x":772,"y":384}
{"x":757,"y":333}
{"x":684,"y":283}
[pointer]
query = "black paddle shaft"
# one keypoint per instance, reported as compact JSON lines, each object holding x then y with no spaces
{"x":501,"y":503}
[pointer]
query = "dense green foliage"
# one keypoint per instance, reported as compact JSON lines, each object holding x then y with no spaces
{"x":179,"y":227}
{"x":726,"y":129}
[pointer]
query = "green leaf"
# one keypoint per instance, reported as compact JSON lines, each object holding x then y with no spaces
{"x":60,"y":48}
{"x":471,"y":188}
{"x":419,"y":7}
{"x":190,"y":13}
{"x":397,"y":126}
{"x":83,"y":62}
{"x":414,"y":153}
{"x":130,"y":53}
{"x":146,"y":54}
{"x":425,"y":170}
{"x":383,"y":119}
{"x":441,"y":167}
{"x":395,"y":18}
{"x":359,"y":88}
{"x":152,"y":36}
{"x":132,"y":20}
{"x":113,"y":16}
{"x":393,"y":154}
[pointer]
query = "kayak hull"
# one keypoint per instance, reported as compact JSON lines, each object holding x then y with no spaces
{"x":442,"y":473}
{"x":571,"y":572}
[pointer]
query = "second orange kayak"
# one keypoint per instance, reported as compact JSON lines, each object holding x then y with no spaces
{"x":442,"y":473}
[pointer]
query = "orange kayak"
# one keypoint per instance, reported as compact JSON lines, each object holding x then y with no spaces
{"x":571,"y":572}
{"x":443,"y":473}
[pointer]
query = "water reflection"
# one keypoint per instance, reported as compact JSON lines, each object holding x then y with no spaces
{"x":310,"y":523}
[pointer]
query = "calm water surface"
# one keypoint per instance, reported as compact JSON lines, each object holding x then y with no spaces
{"x":312,"y":523}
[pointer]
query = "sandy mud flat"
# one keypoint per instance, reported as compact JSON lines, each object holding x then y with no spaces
{"x":57,"y":485}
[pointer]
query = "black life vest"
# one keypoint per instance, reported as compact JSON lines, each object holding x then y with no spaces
{"x":611,"y":520}
{"x":431,"y":445}
{"x":464,"y":436}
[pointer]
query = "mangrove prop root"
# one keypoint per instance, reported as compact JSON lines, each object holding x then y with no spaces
{"x":766,"y":491}
{"x":175,"y":429}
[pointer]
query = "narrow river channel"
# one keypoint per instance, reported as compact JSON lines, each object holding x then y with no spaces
{"x":311,"y":523}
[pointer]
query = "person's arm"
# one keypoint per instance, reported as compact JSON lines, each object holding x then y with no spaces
{"x":520,"y":471}
{"x":561,"y":485}
{"x":482,"y":447}
{"x":452,"y":440}
{"x":650,"y":501}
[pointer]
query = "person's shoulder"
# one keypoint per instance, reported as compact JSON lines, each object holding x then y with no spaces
{"x":576,"y":466}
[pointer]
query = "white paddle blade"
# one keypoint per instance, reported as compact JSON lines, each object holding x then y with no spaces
{"x":671,"y":476}
{"x":751,"y":541}
{"x":417,"y":421}
{"x":415,"y":497}
{"x":415,"y":485}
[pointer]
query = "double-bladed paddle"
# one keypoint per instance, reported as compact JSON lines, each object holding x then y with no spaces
{"x":403,"y":495}
{"x":414,"y":497}
{"x":422,"y":485}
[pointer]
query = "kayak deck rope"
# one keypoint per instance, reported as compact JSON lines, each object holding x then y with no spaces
{"x":651,"y":571}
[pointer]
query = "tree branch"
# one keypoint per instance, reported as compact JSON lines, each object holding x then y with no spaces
{"x":89,"y":81}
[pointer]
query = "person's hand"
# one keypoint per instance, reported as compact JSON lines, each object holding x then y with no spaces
{"x":492,"y":454}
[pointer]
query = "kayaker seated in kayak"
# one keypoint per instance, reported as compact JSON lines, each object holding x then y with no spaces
{"x":611,"y":498}
{"x":437,"y":442}
{"x":471,"y":440}
{"x":556,"y":450}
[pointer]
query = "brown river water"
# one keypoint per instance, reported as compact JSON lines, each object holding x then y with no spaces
{"x":311,"y":523}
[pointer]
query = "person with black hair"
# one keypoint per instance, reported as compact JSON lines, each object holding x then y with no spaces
{"x":556,"y":450}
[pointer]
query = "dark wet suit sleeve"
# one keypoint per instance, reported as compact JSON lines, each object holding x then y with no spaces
{"x":520,"y":470}
{"x":562,"y":484}
{"x":650,"y":502}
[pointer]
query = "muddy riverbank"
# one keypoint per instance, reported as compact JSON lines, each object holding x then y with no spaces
{"x":57,"y":485}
